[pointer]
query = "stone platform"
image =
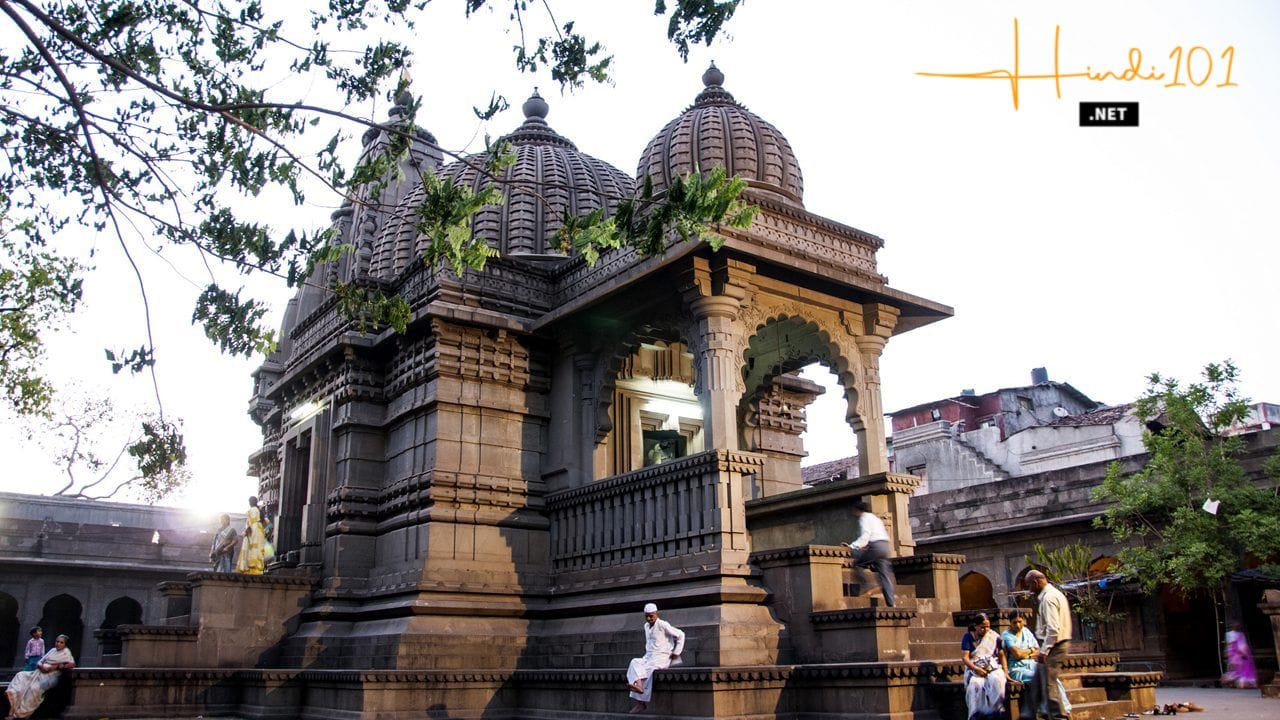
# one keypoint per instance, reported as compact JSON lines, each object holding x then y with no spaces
{"x":921,"y":690}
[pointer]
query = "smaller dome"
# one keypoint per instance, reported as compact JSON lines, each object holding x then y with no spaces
{"x":549,"y":178}
{"x":717,"y":131}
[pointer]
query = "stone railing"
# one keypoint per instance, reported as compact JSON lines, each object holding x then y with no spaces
{"x":678,"y":509}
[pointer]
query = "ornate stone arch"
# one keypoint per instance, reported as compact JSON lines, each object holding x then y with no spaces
{"x":833,"y":345}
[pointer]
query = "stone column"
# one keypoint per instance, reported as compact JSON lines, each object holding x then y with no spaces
{"x":1270,"y":606}
{"x":878,"y":323}
{"x":714,"y":296}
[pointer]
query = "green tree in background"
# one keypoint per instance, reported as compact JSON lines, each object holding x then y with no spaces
{"x":1191,"y":515}
{"x":1070,"y":565}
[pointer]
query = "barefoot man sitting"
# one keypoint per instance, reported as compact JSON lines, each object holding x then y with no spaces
{"x":663,"y":643}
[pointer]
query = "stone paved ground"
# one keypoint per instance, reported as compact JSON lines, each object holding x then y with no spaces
{"x":1221,"y":703}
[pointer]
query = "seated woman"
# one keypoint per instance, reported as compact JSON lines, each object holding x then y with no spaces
{"x":1020,"y":648}
{"x":27,"y":689}
{"x":982,"y":652}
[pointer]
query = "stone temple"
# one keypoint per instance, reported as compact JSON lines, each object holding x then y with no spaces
{"x":471,"y":514}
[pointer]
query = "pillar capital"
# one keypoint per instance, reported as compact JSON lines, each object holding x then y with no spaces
{"x":879,"y":319}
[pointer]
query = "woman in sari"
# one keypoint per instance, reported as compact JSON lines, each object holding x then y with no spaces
{"x":252,"y":560}
{"x":1020,"y":648}
{"x":1241,"y":672}
{"x":982,"y":652}
{"x":26,"y":690}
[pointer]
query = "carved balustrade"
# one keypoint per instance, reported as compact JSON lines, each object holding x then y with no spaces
{"x":679,"y":512}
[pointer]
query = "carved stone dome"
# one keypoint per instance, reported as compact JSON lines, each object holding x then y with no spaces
{"x":717,"y":131}
{"x":550,"y":177}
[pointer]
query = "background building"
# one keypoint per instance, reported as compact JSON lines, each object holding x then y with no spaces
{"x":1008,"y":469}
{"x":75,"y":566}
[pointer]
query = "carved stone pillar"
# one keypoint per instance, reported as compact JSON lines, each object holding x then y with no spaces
{"x":1270,"y":606}
{"x":719,"y":386}
{"x":878,"y":323}
{"x":715,"y":296}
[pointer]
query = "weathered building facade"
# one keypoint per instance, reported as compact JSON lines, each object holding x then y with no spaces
{"x":996,"y":526}
{"x":971,"y":439}
{"x":78,"y":566}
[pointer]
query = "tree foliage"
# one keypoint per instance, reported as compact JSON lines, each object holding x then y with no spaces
{"x":104,"y":451}
{"x":1160,"y":512}
{"x":37,"y":288}
{"x":1069,"y":565}
{"x":153,"y":121}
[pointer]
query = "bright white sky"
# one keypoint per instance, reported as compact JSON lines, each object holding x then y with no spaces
{"x":1100,"y":253}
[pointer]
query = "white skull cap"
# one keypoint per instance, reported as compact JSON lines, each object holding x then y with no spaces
{"x":650,"y":607}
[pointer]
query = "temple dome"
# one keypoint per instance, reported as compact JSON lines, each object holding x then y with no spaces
{"x":550,"y":177}
{"x":717,"y":131}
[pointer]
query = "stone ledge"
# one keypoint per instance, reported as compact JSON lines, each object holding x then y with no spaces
{"x":186,"y":632}
{"x":271,"y":580}
{"x":910,"y":562}
{"x":863,"y":616}
{"x":1090,"y":660}
{"x":839,"y":491}
{"x":800,"y":552}
{"x":1122,"y":679}
{"x":830,"y":671}
{"x":88,"y":674}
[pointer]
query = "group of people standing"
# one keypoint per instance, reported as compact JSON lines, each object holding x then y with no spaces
{"x":254,"y":545}
{"x":1035,"y":660}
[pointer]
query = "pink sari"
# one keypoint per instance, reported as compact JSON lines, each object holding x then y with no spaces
{"x":1241,"y":672}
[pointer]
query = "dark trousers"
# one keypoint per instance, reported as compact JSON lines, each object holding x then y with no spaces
{"x":876,"y":555}
{"x":1041,"y":696}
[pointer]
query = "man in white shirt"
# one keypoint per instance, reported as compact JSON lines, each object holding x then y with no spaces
{"x":663,"y":643}
{"x":1053,"y":627}
{"x":871,"y":548}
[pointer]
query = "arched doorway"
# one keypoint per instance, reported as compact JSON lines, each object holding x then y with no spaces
{"x":976,"y":592}
{"x":788,"y":362}
{"x":123,"y":610}
{"x":62,"y":616}
{"x":1022,"y":598}
{"x":9,"y":633}
{"x":1103,"y":565}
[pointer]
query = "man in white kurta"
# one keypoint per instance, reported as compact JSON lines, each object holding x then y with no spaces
{"x":663,"y":643}
{"x":871,"y":549}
